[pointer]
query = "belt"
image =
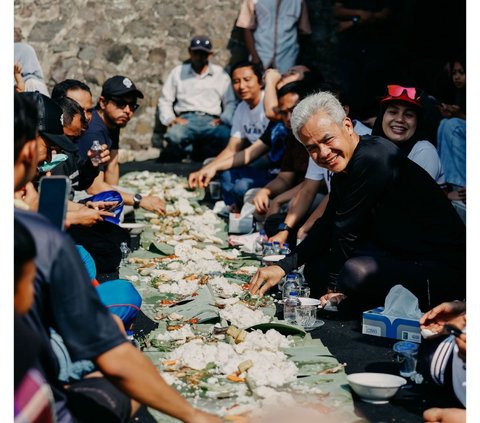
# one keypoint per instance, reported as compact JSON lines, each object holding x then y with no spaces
{"x":199,"y":113}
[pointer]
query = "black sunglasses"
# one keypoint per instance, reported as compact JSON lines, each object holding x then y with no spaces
{"x":121,"y":104}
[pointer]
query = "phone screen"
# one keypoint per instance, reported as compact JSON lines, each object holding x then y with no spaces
{"x":53,"y":199}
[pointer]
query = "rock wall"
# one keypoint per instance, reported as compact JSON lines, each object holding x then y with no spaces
{"x":143,"y":39}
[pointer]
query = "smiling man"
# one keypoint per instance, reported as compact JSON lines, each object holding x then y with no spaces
{"x":369,"y":238}
{"x":249,"y":121}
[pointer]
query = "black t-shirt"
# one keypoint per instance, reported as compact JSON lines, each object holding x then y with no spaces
{"x":66,"y":301}
{"x":97,"y":130}
{"x":385,"y":199}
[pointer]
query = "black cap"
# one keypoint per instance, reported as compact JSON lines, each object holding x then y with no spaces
{"x":50,"y":121}
{"x":201,"y":42}
{"x":118,"y":86}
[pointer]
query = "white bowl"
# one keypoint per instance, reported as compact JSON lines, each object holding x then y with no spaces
{"x":133,"y":227}
{"x":273,"y":258}
{"x":309,"y":301}
{"x":375,"y":388}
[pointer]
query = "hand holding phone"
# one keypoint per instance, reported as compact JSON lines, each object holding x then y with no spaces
{"x":53,"y":196}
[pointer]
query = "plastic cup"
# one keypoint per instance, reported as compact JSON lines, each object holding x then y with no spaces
{"x":306,"y":315}
{"x":214,"y":188}
{"x":406,"y":356}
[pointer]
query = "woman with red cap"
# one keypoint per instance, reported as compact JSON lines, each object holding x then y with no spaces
{"x":400,"y":121}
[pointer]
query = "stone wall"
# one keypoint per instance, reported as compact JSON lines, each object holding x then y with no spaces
{"x":143,"y":39}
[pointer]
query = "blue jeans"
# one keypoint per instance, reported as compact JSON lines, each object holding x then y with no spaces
{"x":452,"y":149}
{"x":236,"y":182}
{"x":198,"y":136}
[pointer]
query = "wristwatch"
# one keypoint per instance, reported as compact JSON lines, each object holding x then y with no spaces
{"x":284,"y":227}
{"x":355,"y":20}
{"x":137,"y":199}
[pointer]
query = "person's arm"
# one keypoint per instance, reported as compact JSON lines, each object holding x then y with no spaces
{"x":149,"y":202}
{"x":112,"y":170}
{"x":445,"y":415}
{"x":317,"y":213}
{"x":196,"y":179}
{"x":166,"y":100}
{"x":17,"y":74}
{"x":283,"y":198}
{"x":250,"y":44}
{"x":135,"y":375}
{"x":229,"y":103}
{"x":281,"y":183}
{"x":270,"y":100}
{"x":299,"y":207}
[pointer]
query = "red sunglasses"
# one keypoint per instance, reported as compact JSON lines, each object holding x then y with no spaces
{"x":398,"y":90}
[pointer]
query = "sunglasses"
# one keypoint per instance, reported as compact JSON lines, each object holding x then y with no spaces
{"x":121,"y":104}
{"x":398,"y":90}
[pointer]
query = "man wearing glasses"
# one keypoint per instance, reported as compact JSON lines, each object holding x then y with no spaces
{"x":115,"y":107}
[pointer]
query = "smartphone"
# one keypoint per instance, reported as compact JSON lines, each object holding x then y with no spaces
{"x":53,"y":197}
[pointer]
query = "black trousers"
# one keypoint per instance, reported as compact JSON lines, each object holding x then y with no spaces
{"x":367,"y":279}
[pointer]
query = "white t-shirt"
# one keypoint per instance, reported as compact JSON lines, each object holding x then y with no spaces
{"x":249,"y":123}
{"x":426,"y":156}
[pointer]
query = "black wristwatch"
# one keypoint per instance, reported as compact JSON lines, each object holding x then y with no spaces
{"x":284,"y":227}
{"x":137,"y":199}
{"x":356,"y":19}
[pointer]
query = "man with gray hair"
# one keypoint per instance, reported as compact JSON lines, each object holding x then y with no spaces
{"x":369,"y":238}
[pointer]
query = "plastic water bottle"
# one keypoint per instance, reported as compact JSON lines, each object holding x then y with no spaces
{"x":276,"y":247}
{"x":268,"y":249}
{"x":96,"y":149}
{"x":125,"y":252}
{"x":260,"y":242}
{"x":289,"y":307}
{"x":285,"y":250}
{"x":290,"y":285}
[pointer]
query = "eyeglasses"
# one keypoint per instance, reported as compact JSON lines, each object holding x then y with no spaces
{"x":121,"y":104}
{"x":398,"y":90}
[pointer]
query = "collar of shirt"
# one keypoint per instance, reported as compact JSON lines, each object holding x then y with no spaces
{"x":209,"y":72}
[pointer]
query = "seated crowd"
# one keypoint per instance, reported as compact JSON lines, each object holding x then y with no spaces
{"x":364,"y":206}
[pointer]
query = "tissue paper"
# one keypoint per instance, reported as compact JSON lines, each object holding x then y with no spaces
{"x":400,"y":302}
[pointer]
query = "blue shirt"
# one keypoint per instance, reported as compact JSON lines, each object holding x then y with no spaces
{"x":97,"y":130}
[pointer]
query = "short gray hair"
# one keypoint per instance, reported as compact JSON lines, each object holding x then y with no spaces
{"x":322,"y":101}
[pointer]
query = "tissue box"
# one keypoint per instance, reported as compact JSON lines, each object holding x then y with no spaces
{"x":240,"y":225}
{"x":377,"y":324}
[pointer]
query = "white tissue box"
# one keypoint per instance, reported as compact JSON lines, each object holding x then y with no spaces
{"x":240,"y":225}
{"x":376,"y":323}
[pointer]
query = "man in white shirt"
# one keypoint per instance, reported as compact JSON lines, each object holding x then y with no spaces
{"x":249,"y":123}
{"x":196,"y":106}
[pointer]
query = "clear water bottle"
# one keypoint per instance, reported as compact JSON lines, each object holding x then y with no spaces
{"x":125,"y":252}
{"x":96,"y":150}
{"x":285,"y":250}
{"x":290,"y":285}
{"x":268,"y":249}
{"x":290,"y":306}
{"x":260,"y":242}
{"x":276,"y":247}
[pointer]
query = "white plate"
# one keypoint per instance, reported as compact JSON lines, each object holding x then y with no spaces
{"x":316,"y":325}
{"x":133,"y":227}
{"x":309,"y":301}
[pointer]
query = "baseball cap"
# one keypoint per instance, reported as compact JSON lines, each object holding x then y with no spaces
{"x":118,"y":86}
{"x":50,"y":121}
{"x":201,"y":42}
{"x":399,"y":93}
